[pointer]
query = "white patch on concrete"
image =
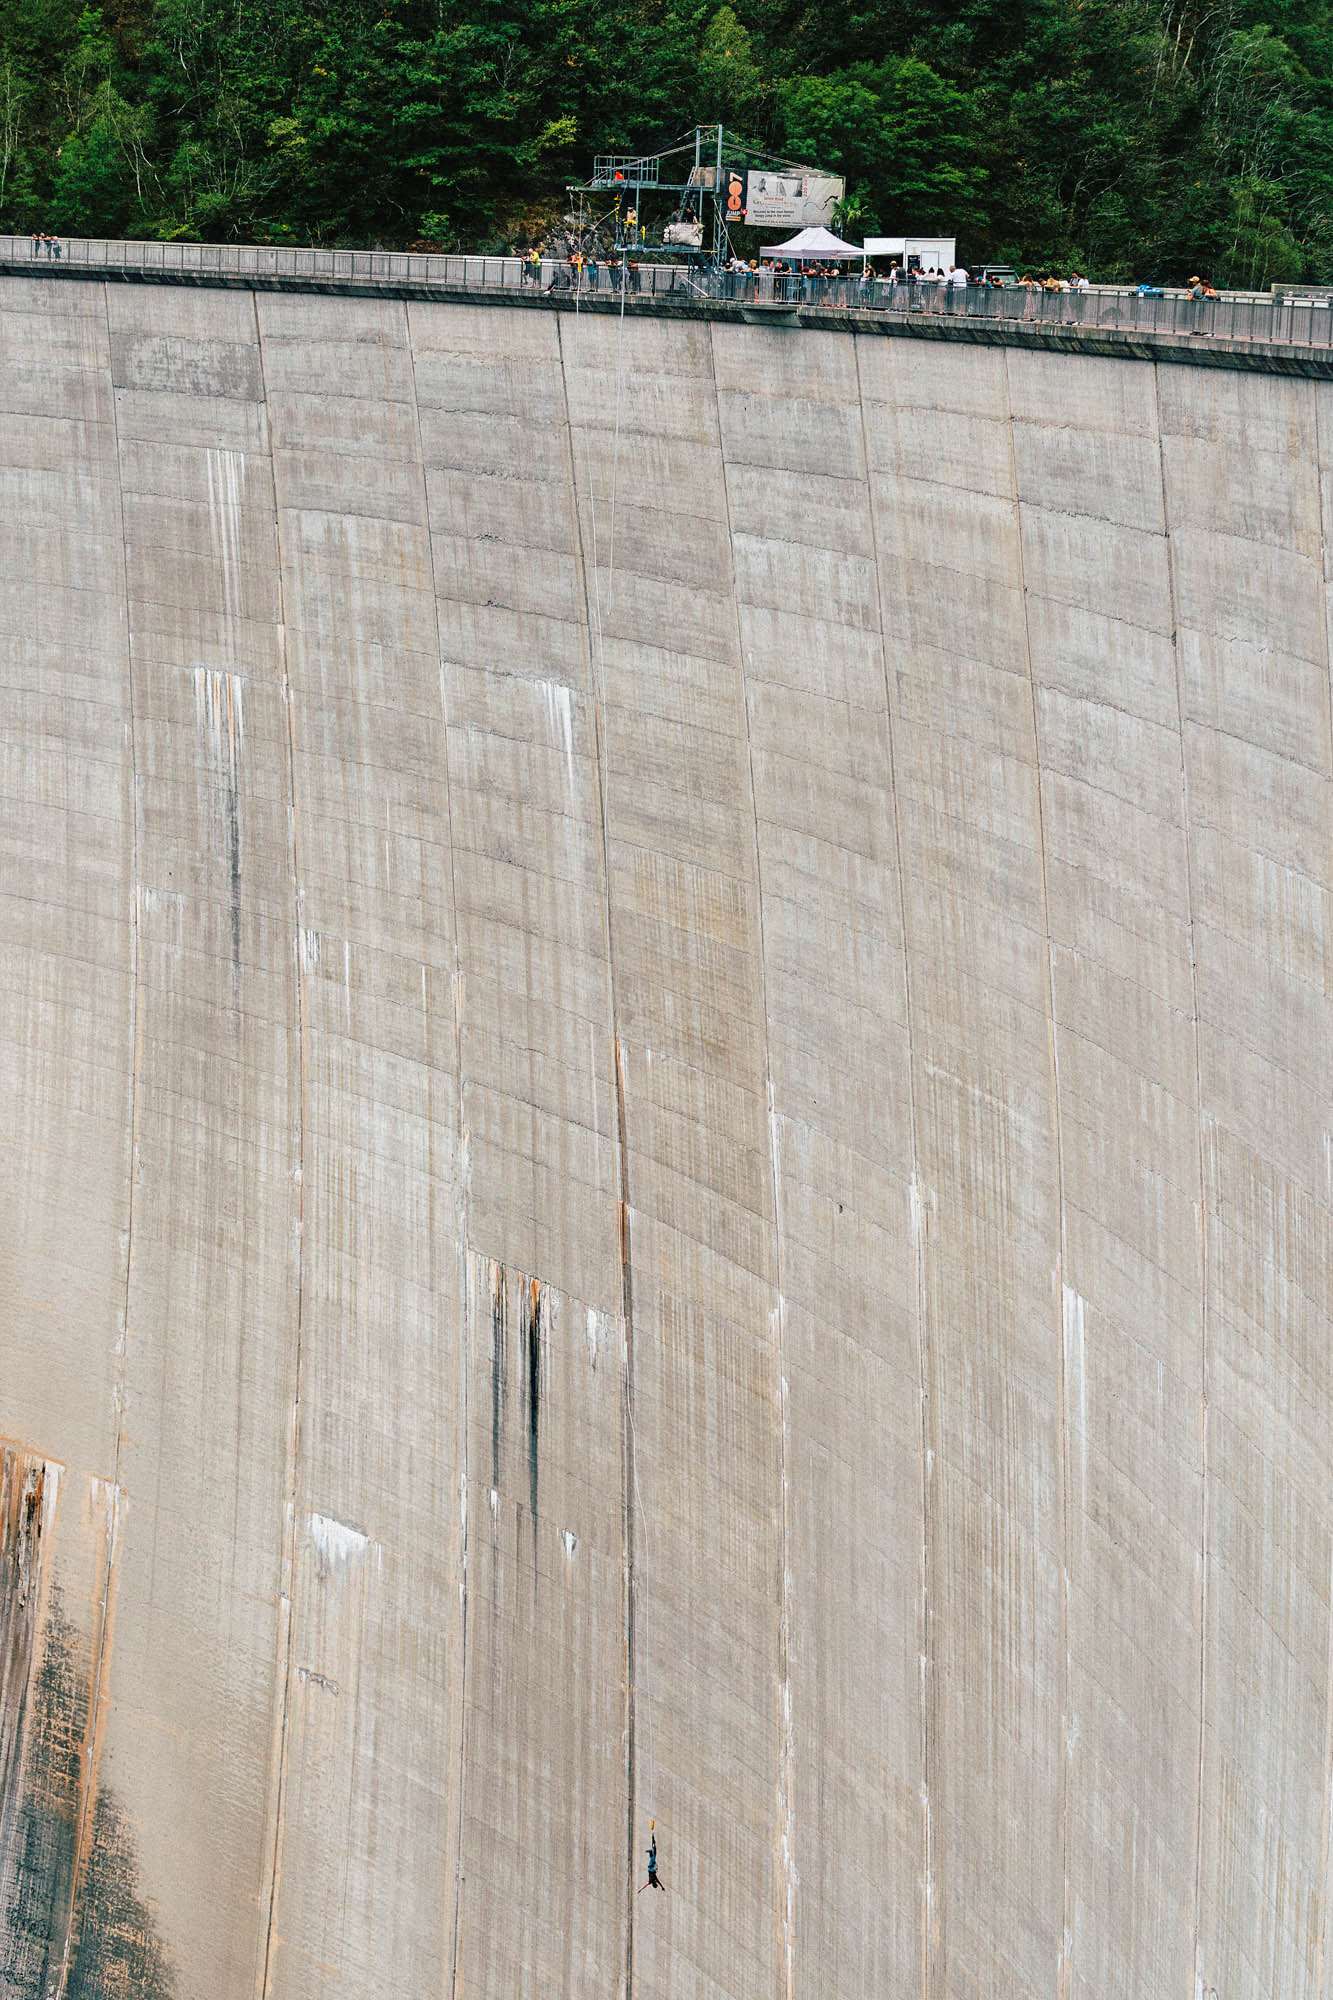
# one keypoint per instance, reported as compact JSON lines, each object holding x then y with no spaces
{"x":1076,"y":1386}
{"x":791,"y":1875}
{"x":775,"y":1151}
{"x":308,"y":1677}
{"x":921,"y":1205}
{"x":592,"y":1076}
{"x":334,"y":1542}
{"x":560,"y":715}
{"x":593,"y":1332}
{"x":226,"y":470}
{"x":462,"y":1539}
{"x":105,"y":1501}
{"x":219,"y":708}
{"x":571,"y":1543}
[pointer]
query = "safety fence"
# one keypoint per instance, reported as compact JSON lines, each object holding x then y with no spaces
{"x":1289,"y":321}
{"x":387,"y":267}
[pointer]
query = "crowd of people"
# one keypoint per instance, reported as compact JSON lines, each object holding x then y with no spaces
{"x":937,"y":279}
{"x":904,"y":287}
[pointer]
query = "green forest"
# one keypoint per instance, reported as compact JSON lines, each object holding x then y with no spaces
{"x":1129,"y":139}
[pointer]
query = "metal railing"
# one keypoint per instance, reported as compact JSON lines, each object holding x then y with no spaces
{"x":1297,"y":321}
{"x":634,"y":169}
{"x":1294,"y":322}
{"x":387,"y":267}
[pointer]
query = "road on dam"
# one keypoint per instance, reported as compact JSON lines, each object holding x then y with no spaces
{"x":667,"y":1154}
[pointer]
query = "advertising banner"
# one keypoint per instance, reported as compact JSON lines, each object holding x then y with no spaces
{"x":732,"y":194}
{"x":776,"y":200}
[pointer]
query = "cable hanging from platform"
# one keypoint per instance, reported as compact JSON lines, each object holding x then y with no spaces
{"x":595,"y":614}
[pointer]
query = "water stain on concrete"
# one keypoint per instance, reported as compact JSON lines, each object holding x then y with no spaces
{"x":534,"y":1392}
{"x":499,"y":1385}
{"x":74,"y":1923}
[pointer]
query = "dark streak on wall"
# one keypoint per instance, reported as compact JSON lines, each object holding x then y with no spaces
{"x":118,"y":1955}
{"x":22,"y":1510}
{"x":43,"y":1832}
{"x":498,"y":1369}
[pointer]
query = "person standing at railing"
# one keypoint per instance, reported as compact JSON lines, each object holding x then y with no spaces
{"x":1198,"y":294}
{"x":958,"y":289}
{"x":36,"y":242}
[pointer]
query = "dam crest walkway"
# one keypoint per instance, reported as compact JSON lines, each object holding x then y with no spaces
{"x":1287,"y":335}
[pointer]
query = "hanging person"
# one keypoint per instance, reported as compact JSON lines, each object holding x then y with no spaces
{"x":654,"y":1879}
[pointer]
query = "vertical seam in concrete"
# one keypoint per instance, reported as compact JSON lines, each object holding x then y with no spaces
{"x":1324,"y":576}
{"x":785,"y":1844}
{"x":1187,"y":830}
{"x":1326,"y":1829}
{"x":288,"y":1573}
{"x":628,"y":1434}
{"x":918,"y":1213}
{"x":83,"y":1832}
{"x":464,"y":1174}
{"x":1066,"y":1928}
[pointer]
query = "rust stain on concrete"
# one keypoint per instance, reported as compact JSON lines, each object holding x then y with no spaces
{"x":73,"y":1924}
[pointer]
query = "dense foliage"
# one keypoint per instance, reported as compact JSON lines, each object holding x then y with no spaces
{"x":1128,"y":138}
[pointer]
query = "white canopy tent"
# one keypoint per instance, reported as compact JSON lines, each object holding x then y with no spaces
{"x":816,"y":245}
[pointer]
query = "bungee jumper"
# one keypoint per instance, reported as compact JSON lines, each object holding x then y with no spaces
{"x":654,"y":1879}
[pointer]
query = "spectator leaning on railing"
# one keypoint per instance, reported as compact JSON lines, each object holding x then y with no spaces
{"x":1202,"y":294}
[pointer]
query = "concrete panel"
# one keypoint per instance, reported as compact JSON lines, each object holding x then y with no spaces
{"x":373,"y":1687}
{"x":208,"y":1352}
{"x":543,"y":1903}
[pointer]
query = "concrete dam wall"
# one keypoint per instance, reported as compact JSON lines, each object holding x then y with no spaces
{"x":667,"y":1152}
